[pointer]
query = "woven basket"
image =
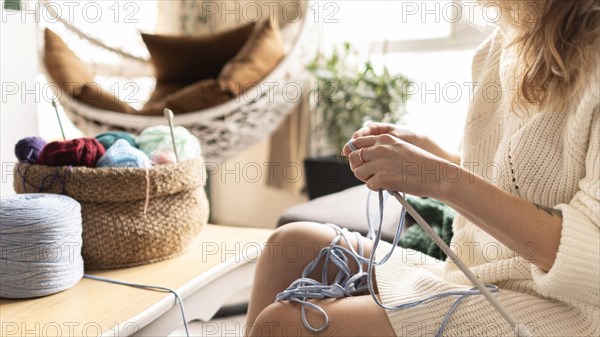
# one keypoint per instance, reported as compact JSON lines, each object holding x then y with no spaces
{"x":130,"y":216}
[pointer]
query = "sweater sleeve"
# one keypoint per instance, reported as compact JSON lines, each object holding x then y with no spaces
{"x":575,"y":274}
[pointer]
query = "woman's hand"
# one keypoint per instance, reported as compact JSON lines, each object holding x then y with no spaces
{"x":385,"y":162}
{"x":407,"y":135}
{"x":404,"y":133}
{"x":390,"y":163}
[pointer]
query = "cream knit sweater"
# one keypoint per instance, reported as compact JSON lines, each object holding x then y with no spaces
{"x":550,"y":158}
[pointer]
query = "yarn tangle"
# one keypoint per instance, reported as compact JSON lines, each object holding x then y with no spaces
{"x":345,"y":283}
{"x":28,"y":150}
{"x":76,"y":152}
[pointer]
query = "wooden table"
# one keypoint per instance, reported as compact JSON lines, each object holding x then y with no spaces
{"x":219,"y":263}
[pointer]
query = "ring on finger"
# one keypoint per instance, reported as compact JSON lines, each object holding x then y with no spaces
{"x":360,"y":156}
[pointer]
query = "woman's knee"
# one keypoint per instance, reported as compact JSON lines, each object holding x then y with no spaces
{"x":277,"y":319}
{"x":301,"y":231}
{"x":298,"y":242}
{"x":351,"y":316}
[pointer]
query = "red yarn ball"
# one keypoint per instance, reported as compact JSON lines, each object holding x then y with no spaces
{"x":76,"y":152}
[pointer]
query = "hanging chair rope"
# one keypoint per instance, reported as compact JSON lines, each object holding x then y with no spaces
{"x":97,"y":42}
{"x":223,"y":130}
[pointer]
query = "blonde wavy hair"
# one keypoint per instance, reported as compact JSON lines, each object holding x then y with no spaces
{"x":557,"y":43}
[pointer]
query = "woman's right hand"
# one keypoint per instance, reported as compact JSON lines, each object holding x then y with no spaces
{"x":407,"y":135}
{"x":376,"y":129}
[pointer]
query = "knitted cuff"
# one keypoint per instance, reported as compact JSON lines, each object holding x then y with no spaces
{"x":575,"y":275}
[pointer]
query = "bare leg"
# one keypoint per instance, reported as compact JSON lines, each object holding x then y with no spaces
{"x":350,"y":316}
{"x":288,"y":251}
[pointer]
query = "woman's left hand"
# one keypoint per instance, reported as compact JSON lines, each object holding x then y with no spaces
{"x":385,"y":162}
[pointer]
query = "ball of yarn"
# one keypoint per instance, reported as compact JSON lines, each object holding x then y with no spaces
{"x":107,"y":139}
{"x":28,"y":149}
{"x":76,"y":152}
{"x":41,"y":245}
{"x":158,"y":138}
{"x":122,"y":154}
{"x":162,"y":157}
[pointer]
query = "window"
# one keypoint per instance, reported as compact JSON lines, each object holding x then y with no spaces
{"x":431,"y":42}
{"x":428,"y":41}
{"x":116,"y":24}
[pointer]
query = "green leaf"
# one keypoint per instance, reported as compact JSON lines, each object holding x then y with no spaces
{"x":12,"y":5}
{"x":351,"y":91}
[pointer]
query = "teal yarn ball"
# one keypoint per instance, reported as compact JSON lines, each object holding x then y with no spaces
{"x":107,"y":139}
{"x":122,"y":155}
{"x":158,"y":138}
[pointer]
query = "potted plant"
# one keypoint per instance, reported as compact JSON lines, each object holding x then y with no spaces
{"x":348,"y":93}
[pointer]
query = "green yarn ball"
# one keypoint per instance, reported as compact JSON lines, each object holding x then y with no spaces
{"x":107,"y":139}
{"x":158,"y":138}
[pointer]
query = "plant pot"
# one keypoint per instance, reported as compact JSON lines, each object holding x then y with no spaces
{"x":327,"y":175}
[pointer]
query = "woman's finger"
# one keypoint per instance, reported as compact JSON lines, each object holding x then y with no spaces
{"x":357,"y":158}
{"x":366,"y":141}
{"x":354,"y":160}
{"x":373,"y":183}
{"x":358,"y":143}
{"x":346,"y":150}
{"x":373,"y":129}
{"x":364,"y":172}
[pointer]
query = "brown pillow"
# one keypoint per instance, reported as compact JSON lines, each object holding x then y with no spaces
{"x":72,"y":76}
{"x":66,"y":69}
{"x":187,"y":59}
{"x":162,"y":90}
{"x":92,"y":94}
{"x":198,"y":96}
{"x":259,"y":56}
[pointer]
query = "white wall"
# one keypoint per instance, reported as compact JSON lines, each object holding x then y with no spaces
{"x":240,"y":198}
{"x":18,"y":69}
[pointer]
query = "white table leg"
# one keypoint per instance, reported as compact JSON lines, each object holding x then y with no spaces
{"x":204,"y":303}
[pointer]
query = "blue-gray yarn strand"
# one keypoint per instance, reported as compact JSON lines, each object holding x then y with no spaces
{"x":346,"y":284}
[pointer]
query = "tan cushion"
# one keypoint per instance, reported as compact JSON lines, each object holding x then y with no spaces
{"x":259,"y":56}
{"x":64,"y":67}
{"x":162,"y":90}
{"x":92,"y":94}
{"x":186,"y":59}
{"x":198,"y":96}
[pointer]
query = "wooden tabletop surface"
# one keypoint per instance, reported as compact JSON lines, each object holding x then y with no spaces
{"x":94,"y":308}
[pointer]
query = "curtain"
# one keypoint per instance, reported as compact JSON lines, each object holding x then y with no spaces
{"x":288,"y":149}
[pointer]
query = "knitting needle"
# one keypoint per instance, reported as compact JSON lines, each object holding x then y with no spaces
{"x":169,"y":116}
{"x":519,"y":329}
{"x":58,"y":117}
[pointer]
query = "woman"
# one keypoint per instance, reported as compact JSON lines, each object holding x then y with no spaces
{"x":527,"y":189}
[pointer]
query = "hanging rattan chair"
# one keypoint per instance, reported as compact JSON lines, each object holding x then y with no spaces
{"x":223,"y":130}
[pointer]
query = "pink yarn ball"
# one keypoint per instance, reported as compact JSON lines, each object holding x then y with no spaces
{"x":163,"y":157}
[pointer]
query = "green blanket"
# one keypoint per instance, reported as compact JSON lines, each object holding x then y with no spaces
{"x":439,"y":216}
